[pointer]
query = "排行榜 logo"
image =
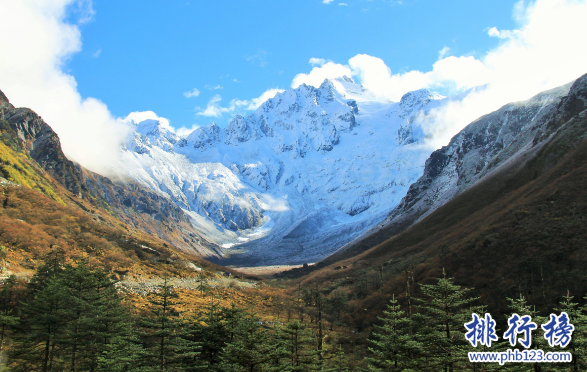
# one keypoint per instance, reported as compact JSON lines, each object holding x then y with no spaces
{"x":558,"y":331}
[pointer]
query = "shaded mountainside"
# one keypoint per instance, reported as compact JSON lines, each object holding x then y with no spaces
{"x":515,"y":131}
{"x":520,"y":230}
{"x":136,"y":205}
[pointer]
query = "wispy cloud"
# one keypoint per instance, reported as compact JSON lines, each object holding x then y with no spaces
{"x":260,"y":59}
{"x":317,"y":61}
{"x":327,"y":1}
{"x":184,"y":131}
{"x":503,"y":34}
{"x":443,"y":52}
{"x":255,"y":103}
{"x":214,"y":109}
{"x":139,"y":116}
{"x":343,"y":4}
{"x":328,"y":70}
{"x":214,"y":87}
{"x":97,"y":53}
{"x":83,"y":10}
{"x":193,"y":93}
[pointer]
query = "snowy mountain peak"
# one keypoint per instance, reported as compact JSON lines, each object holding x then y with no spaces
{"x":204,"y":137}
{"x":346,"y":87}
{"x":418,"y":97}
{"x":292,"y":173}
{"x":413,"y":102}
{"x":152,"y":133}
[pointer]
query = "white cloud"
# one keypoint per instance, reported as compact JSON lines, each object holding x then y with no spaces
{"x":317,"y":61}
{"x":503,"y":34}
{"x":327,"y":1}
{"x":260,"y":59}
{"x":274,"y":204}
{"x":184,"y":131}
{"x":213,"y":109}
{"x":33,"y":77}
{"x":97,"y":53}
{"x":329,"y":70}
{"x":214,"y":87}
{"x":544,"y":52}
{"x":343,"y":4}
{"x":270,"y":93}
{"x":443,"y":52}
{"x":460,"y":72}
{"x":193,"y":93}
{"x":139,"y":116}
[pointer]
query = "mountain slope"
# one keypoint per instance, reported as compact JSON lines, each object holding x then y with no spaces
{"x":492,"y":141}
{"x":519,"y":230}
{"x":136,"y":205}
{"x":309,"y":170}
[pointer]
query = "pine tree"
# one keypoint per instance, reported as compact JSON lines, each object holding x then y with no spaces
{"x":38,"y":345}
{"x":318,"y":301}
{"x":340,"y":362}
{"x":498,"y":345}
{"x":298,"y":344}
{"x":578,"y":344}
{"x":202,"y":285}
{"x":171,"y":348}
{"x":124,"y":353}
{"x":251,"y":349}
{"x":96,"y":316}
{"x":7,"y":312}
{"x":521,"y":307}
{"x":394,"y":348}
{"x":74,"y":314}
{"x":337,"y":303}
{"x":214,"y":329}
{"x":440,"y":324}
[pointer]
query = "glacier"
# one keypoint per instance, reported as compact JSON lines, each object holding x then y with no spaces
{"x":310,"y":170}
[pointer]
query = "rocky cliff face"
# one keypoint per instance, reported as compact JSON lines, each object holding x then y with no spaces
{"x":42,"y":144}
{"x":136,"y":205}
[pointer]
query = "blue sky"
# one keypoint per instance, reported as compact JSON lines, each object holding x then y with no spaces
{"x":89,"y":67}
{"x":143,"y":55}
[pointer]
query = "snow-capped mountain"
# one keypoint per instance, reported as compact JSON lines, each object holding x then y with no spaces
{"x":309,"y":170}
{"x":505,"y":138}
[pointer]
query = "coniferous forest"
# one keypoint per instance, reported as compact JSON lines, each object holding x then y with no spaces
{"x":71,"y":316}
